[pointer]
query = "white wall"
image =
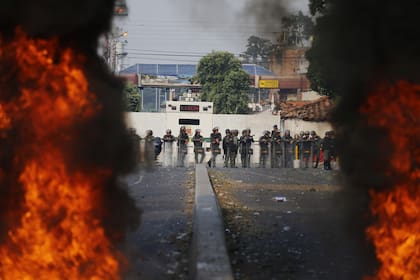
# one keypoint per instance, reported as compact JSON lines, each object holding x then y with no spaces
{"x":159,"y":122}
{"x":295,"y":126}
{"x":310,"y":96}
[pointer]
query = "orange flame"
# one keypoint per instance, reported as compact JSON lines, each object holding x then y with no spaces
{"x":59,"y":235}
{"x":396,"y":231}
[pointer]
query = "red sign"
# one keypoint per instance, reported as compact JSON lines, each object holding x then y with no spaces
{"x":189,"y":108}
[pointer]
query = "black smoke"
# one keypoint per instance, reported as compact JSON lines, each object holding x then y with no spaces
{"x":102,"y":143}
{"x":357,"y":46}
{"x":268,"y":14}
{"x":81,"y":22}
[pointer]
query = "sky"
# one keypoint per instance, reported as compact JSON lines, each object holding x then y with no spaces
{"x":182,"y":31}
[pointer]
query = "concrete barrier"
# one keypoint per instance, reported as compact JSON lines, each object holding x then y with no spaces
{"x":209,"y":260}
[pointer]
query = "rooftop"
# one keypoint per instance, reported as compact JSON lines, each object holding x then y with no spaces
{"x":316,"y":111}
{"x":185,"y":70}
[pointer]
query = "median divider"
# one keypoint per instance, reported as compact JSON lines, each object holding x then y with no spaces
{"x":209,"y":254}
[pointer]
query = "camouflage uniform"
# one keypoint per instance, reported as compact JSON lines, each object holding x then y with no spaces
{"x":264,"y":143}
{"x":198,"y":146}
{"x":306,"y":145}
{"x":288,"y":149}
{"x":316,"y":146}
{"x":215,"y":139}
{"x":226,"y":151}
{"x":149,"y":149}
{"x":246,"y":141}
{"x":233,"y":148}
{"x":327,"y":146}
{"x":277,"y":156}
{"x":182,"y":146}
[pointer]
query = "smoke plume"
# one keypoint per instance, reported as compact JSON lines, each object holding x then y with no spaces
{"x":357,"y":46}
{"x":269,"y":13}
{"x":366,"y":52}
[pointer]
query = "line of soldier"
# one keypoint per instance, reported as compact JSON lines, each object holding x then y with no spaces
{"x":281,"y":149}
{"x":305,"y":146}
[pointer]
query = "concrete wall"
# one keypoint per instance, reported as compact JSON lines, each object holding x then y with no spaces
{"x":159,"y":122}
{"x":296,"y":125}
{"x":310,"y":96}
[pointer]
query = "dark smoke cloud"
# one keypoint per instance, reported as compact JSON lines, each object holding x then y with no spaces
{"x":268,"y":14}
{"x":81,"y":20}
{"x":358,"y":45}
{"x":102,"y":143}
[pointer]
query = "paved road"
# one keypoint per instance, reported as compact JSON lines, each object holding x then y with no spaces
{"x":312,"y":235}
{"x":158,"y":250}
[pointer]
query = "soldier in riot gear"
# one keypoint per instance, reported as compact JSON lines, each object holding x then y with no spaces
{"x":233,"y":148}
{"x":215,"y":139}
{"x":168,"y":140}
{"x":246,"y":141}
{"x":135,"y":138}
{"x":149,"y":147}
{"x":316,"y":146}
{"x":277,"y":155}
{"x":264,"y":144}
{"x":288,"y":149}
{"x":306,"y":145}
{"x":225,"y":144}
{"x":168,"y":137}
{"x":299,"y":143}
{"x":273,"y":133}
{"x":333,"y":150}
{"x":326,"y":147}
{"x":182,"y":145}
{"x":198,"y":146}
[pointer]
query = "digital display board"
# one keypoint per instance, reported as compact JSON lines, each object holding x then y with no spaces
{"x":189,"y":121}
{"x":189,"y":108}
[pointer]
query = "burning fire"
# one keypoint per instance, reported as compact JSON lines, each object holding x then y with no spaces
{"x":59,"y":234}
{"x":396,"y":231}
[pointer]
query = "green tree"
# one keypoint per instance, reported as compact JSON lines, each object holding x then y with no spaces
{"x":132,"y":98}
{"x":320,"y":73}
{"x":224,"y":82}
{"x":298,"y":27}
{"x":258,"y":50}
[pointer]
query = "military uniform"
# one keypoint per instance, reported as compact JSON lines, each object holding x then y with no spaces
{"x":149,"y":149}
{"x":306,"y":144}
{"x":316,"y":146}
{"x":277,"y":156}
{"x":225,"y":144}
{"x":327,"y":147}
{"x":272,"y":135}
{"x":233,"y":145}
{"x":168,"y":140}
{"x":182,"y":146}
{"x":245,"y":143}
{"x":198,"y":147}
{"x":289,"y":149}
{"x":215,"y":139}
{"x":264,"y":145}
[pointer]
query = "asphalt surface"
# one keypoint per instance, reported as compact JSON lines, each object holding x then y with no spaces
{"x":159,"y":249}
{"x":292,"y":224}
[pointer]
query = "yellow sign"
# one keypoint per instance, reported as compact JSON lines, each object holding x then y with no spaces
{"x":268,"y":84}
